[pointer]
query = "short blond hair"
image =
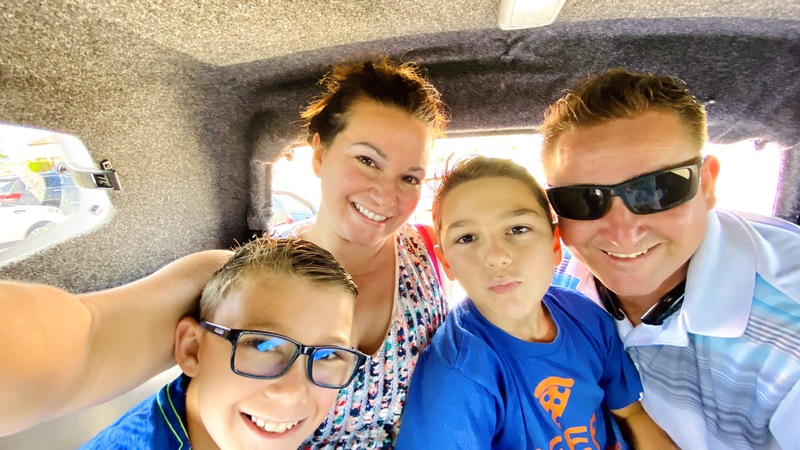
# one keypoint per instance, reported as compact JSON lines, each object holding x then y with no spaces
{"x":285,"y":257}
{"x":621,"y":94}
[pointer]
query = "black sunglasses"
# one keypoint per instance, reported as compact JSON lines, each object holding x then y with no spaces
{"x":646,"y":194}
{"x":266,"y":356}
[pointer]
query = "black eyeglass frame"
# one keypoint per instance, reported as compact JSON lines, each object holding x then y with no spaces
{"x":619,"y":190}
{"x":232,"y":335}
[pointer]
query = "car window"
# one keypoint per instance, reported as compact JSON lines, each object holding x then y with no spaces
{"x":40,"y":201}
{"x":297,"y":209}
{"x":279,"y":216}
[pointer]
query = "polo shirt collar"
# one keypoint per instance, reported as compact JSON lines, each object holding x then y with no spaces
{"x":720,"y":281}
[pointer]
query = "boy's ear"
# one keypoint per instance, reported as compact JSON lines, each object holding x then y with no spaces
{"x":187,"y":346}
{"x":443,"y":261}
{"x":558,"y":252}
{"x":316,"y":160}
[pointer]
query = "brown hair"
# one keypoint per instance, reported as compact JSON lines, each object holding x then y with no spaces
{"x":286,"y":257}
{"x":621,"y":94}
{"x":388,"y":83}
{"x":479,"y":167}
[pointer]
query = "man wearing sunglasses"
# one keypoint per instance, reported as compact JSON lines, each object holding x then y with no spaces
{"x":707,"y":303}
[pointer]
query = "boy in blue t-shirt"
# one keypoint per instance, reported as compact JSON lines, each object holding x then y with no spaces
{"x":248,"y":382}
{"x":518,"y":364}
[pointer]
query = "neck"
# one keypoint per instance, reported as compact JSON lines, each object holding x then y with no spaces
{"x":635,"y":306}
{"x":198,"y":435}
{"x":538,"y":326}
{"x":356,"y":259}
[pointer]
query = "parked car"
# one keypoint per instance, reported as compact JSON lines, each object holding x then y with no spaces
{"x":13,"y":191}
{"x":290,"y":214}
{"x":22,"y":221}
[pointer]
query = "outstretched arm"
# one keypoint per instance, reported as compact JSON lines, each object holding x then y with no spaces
{"x":61,"y":352}
{"x":639,"y":430}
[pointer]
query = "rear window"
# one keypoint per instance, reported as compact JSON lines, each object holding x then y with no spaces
{"x":748,"y":179}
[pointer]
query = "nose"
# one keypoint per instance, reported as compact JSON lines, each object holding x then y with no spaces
{"x":384,"y":193}
{"x":291,"y":388}
{"x":622,"y":227}
{"x":496,"y":254}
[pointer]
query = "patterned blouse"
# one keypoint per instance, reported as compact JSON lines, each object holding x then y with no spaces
{"x":367,"y":412}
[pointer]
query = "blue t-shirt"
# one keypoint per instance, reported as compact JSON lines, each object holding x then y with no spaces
{"x":477,"y":387}
{"x":157,"y":423}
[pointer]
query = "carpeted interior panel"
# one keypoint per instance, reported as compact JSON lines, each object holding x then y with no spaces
{"x":192,"y":141}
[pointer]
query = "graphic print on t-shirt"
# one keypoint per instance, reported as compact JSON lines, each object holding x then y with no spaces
{"x":553,"y":394}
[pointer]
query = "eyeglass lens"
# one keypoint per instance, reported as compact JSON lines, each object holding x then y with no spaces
{"x":268,"y":356}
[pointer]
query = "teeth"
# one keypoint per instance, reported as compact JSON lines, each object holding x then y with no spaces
{"x":627,"y":255}
{"x":273,"y":427}
{"x":371,"y":215}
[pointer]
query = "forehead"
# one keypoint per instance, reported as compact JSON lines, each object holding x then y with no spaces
{"x":290,"y":305}
{"x":619,"y":149}
{"x":487,"y":199}
{"x":373,"y":122}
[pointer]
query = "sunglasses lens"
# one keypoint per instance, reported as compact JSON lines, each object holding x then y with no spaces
{"x":646,"y":194}
{"x":661,"y":191}
{"x":578,"y":202}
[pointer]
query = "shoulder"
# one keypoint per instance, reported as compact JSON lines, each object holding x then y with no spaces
{"x":772,"y":244}
{"x":461,"y":344}
{"x":157,"y":422}
{"x":575,"y":311}
{"x":782,"y":237}
{"x":135,"y":429}
{"x":575,"y":303}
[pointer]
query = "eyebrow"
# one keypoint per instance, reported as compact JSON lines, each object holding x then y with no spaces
{"x":273,"y":327}
{"x":383,"y":154}
{"x":508,"y":215}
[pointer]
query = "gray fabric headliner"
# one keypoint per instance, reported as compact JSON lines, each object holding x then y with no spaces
{"x":221,"y":32}
{"x":182,"y":132}
{"x":191,"y":100}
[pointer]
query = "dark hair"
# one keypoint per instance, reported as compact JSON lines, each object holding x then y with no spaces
{"x":398,"y":85}
{"x":285,"y":257}
{"x":621,"y":94}
{"x":478,"y":167}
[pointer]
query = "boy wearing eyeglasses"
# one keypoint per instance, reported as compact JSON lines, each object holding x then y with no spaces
{"x":707,"y":302}
{"x":263,"y":366}
{"x":518,"y":364}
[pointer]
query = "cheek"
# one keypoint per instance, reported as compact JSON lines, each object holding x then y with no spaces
{"x":463,"y":261}
{"x":324,"y":400}
{"x":686,"y":226}
{"x":574,"y":232}
{"x":410,"y":198}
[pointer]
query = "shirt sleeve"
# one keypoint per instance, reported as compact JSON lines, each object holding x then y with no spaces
{"x":783,"y":424}
{"x":445,"y":409}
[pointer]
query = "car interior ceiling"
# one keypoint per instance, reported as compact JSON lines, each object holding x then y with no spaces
{"x":193,"y":101}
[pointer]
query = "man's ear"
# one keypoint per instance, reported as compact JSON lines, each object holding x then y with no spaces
{"x":443,"y":261}
{"x":187,"y":346}
{"x":708,"y":180}
{"x":316,"y":161}
{"x":558,"y":252}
